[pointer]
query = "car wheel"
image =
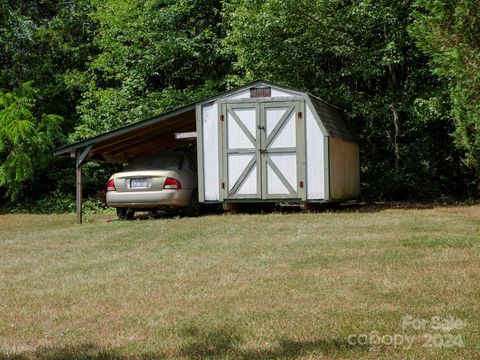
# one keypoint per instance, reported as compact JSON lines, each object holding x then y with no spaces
{"x":125,"y":213}
{"x":193,"y":208}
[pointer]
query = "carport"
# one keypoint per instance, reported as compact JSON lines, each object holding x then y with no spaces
{"x":262,"y":142}
{"x":159,"y":133}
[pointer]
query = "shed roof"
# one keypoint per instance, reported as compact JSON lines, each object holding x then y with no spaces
{"x":334,"y":119}
{"x":157,"y":133}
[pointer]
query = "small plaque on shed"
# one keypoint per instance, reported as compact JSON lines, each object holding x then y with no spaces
{"x":260,"y":92}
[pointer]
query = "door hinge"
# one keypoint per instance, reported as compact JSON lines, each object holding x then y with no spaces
{"x":223,"y":185}
{"x":300,"y":114}
{"x":300,"y":184}
{"x":222,"y":118}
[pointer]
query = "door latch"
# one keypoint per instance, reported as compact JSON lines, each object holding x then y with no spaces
{"x":260,"y":127}
{"x":263,"y":151}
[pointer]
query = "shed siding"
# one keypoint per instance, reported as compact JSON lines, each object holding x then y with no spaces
{"x":330,"y":175}
{"x":344,"y":169}
{"x":280,"y":93}
{"x":315,"y":158}
{"x":210,"y":152}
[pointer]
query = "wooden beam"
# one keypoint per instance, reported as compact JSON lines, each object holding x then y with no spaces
{"x":127,"y":129}
{"x":149,"y":148}
{"x":120,"y":147}
{"x":139,"y":133}
{"x":191,"y":135}
{"x":80,"y":156}
{"x":155,"y":141}
{"x":78,"y":188}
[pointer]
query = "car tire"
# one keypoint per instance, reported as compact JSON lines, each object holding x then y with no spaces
{"x":193,"y":208}
{"x":125,"y":213}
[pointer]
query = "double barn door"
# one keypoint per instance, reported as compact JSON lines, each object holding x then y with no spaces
{"x":261,"y":150}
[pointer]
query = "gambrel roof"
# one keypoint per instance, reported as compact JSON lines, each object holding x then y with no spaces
{"x":334,"y":119}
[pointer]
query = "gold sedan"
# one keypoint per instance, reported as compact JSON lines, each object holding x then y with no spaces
{"x":166,"y":181}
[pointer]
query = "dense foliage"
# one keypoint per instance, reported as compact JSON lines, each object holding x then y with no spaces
{"x":27,"y":138}
{"x":150,"y":58}
{"x":406,"y":72}
{"x":448,"y":32}
{"x":359,"y":56}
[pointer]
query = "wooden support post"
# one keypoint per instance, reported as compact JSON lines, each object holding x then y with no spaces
{"x":78,"y":188}
{"x":80,"y":155}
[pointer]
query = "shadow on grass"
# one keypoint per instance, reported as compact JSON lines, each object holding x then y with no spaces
{"x":170,"y":214}
{"x":226,"y":343}
{"x":378,"y":206}
{"x":290,"y":349}
{"x":220,"y":343}
{"x":340,"y":207}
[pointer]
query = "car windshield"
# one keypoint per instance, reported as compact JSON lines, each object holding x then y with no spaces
{"x":169,"y":161}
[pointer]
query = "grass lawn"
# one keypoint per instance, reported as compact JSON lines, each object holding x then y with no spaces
{"x":310,"y":286}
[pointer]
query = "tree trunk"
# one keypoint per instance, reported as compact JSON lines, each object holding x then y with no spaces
{"x":393,"y":77}
{"x":396,"y":134}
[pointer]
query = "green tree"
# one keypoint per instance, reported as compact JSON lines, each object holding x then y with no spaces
{"x":26,"y":139}
{"x":154,"y":55}
{"x":448,"y":32}
{"x":47,"y":43}
{"x":357,"y":55}
{"x":402,"y":70}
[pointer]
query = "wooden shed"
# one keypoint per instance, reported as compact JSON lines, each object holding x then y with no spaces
{"x":261,"y":142}
{"x":265,"y":142}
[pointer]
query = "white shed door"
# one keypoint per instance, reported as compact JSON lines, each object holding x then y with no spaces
{"x":241,"y":155}
{"x":280,"y":165}
{"x":260,"y":150}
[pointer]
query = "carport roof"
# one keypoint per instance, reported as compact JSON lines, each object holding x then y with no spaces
{"x":142,"y":137}
{"x":157,"y":133}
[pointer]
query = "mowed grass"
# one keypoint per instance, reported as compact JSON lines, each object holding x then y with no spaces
{"x":294,"y":285}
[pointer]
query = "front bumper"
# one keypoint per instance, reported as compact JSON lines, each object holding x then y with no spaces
{"x":149,"y":199}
